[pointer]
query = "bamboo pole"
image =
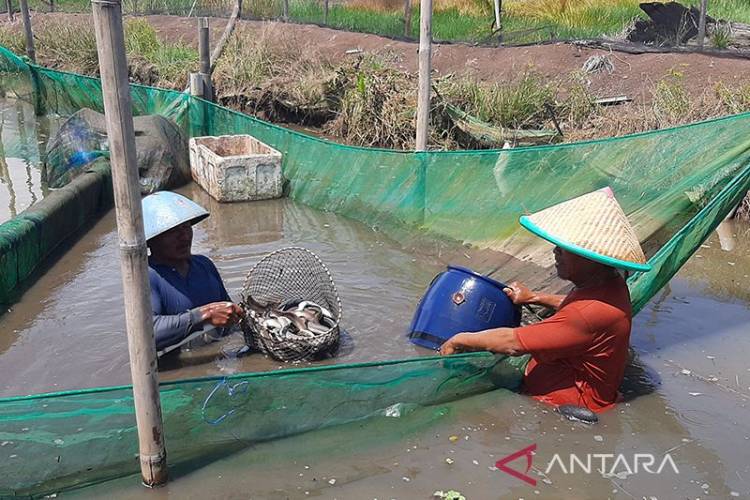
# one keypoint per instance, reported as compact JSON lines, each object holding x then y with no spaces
{"x":425,"y":69}
{"x":27,"y":29}
{"x":134,"y":267}
{"x":702,"y":24}
{"x":407,"y":18}
{"x":205,"y":58}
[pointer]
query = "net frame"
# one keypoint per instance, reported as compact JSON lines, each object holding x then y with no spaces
{"x":286,"y":274}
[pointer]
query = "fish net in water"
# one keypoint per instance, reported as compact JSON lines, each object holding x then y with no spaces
{"x":296,"y":276}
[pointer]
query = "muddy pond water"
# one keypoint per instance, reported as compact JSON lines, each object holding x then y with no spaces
{"x":686,"y":395}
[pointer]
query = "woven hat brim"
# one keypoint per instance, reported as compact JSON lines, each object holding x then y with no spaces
{"x":583,"y":252}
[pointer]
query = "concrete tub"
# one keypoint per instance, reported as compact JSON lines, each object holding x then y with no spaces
{"x":236,"y":167}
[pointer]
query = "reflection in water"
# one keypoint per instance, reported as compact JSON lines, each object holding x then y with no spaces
{"x":23,"y":138}
{"x":725,"y":232}
{"x":721,"y":265}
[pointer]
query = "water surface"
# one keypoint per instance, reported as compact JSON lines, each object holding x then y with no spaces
{"x":687,"y":390}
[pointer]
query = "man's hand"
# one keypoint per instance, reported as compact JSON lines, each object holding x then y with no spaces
{"x":221,"y":314}
{"x":520,"y":294}
{"x":453,"y":345}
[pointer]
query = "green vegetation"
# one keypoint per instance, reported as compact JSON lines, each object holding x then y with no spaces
{"x":170,"y":60}
{"x":728,"y":10}
{"x":721,"y":35}
{"x":524,"y":21}
{"x":517,"y":104}
{"x":71,"y":46}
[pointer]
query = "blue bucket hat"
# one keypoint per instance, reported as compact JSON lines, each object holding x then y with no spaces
{"x":165,"y":210}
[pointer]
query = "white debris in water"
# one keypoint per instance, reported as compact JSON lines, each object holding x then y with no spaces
{"x":449,"y":461}
{"x":5,"y":443}
{"x":58,"y":442}
{"x":598,"y":438}
{"x":710,"y":357}
{"x":704,"y":486}
{"x":406,"y":479}
{"x":686,"y":372}
{"x":332,"y":481}
{"x":734,"y":494}
{"x":475,"y":462}
{"x":695,"y":393}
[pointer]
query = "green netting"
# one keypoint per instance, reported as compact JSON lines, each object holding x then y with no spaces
{"x":56,"y":441}
{"x":676,"y":185}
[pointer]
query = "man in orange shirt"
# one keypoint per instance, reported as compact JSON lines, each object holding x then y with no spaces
{"x":578,"y":355}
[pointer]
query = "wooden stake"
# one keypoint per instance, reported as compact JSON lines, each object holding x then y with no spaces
{"x":27,"y":29}
{"x":138,"y":316}
{"x":205,"y":58}
{"x":286,"y":10}
{"x":425,"y":70}
{"x":497,"y":14}
{"x":407,"y":18}
{"x":236,"y":13}
{"x":702,"y":24}
{"x":325,"y":12}
{"x":9,"y":6}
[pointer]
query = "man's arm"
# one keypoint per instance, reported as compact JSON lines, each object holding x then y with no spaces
{"x":172,"y":328}
{"x":520,"y":294}
{"x":497,"y":340}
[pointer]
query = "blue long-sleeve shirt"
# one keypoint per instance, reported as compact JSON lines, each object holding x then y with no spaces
{"x":176,"y":300}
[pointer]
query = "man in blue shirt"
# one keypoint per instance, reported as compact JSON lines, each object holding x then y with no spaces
{"x":187,"y":293}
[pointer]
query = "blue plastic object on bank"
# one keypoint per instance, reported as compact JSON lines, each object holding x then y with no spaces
{"x":461,"y":300}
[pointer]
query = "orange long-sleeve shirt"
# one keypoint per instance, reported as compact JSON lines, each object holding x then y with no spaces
{"x":579,"y":354}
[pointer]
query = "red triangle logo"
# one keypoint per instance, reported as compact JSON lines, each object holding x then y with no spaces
{"x":528,"y":453}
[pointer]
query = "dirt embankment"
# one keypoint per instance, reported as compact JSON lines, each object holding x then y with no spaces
{"x":633,"y":74}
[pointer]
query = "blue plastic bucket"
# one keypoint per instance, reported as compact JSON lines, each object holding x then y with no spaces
{"x":461,"y":300}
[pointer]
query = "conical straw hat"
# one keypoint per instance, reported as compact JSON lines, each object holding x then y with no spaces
{"x":592,"y":226}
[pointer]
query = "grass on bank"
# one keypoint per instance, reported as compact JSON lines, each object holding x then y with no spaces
{"x":70,"y":45}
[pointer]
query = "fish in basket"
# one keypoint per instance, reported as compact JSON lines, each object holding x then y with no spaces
{"x":292,"y":308}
